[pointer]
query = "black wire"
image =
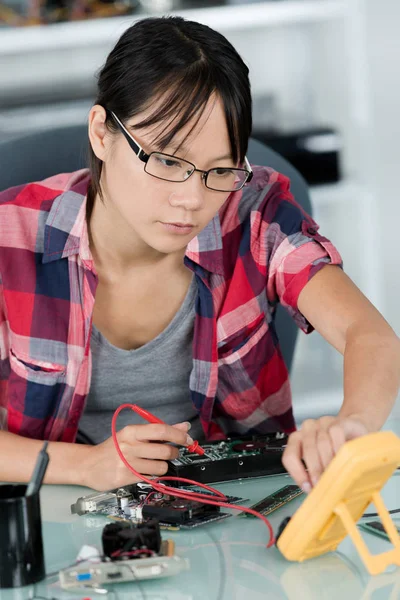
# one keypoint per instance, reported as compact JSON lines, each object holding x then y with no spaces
{"x":223,"y":578}
{"x":391,"y":512}
{"x":354,"y":568}
{"x":135,"y":579}
{"x":35,"y":596}
{"x":74,"y":564}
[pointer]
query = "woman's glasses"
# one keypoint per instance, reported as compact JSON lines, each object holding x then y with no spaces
{"x":171,"y":168}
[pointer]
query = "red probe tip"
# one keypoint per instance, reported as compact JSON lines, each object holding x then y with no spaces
{"x":196,"y":449}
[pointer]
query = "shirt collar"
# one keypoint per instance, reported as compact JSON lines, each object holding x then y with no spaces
{"x":66,"y":234}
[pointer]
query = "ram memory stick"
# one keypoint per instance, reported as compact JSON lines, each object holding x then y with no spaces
{"x":276,"y":500}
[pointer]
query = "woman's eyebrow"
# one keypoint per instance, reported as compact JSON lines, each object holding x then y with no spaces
{"x":184,"y":150}
{"x":224,"y":157}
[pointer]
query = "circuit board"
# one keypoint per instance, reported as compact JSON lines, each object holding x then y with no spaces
{"x":233,"y":458}
{"x":138,"y":502}
{"x":276,"y":500}
{"x":376,"y":528}
{"x":95,"y":575}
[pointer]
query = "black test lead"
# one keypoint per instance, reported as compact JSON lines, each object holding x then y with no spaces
{"x":39,"y":471}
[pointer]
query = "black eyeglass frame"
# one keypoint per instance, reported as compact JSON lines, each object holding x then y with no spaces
{"x":144,"y":157}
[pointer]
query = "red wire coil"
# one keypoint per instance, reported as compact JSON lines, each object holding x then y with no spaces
{"x":164,"y":489}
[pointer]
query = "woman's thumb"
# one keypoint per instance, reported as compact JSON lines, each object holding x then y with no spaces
{"x":185,"y":425}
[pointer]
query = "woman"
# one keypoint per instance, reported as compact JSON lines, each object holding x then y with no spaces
{"x":154,"y":278}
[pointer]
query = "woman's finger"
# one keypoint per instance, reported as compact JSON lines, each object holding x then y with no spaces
{"x":155,"y":451}
{"x":324,"y":447}
{"x":291,"y":460}
{"x":337,"y":436}
{"x":159,"y":432}
{"x":310,"y":452}
{"x":147,"y":467}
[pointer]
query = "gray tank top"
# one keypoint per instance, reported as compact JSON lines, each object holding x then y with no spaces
{"x":154,"y":376}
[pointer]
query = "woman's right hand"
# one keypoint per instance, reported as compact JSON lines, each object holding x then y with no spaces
{"x":102,"y":469}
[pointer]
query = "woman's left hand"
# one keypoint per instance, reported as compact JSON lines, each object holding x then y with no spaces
{"x":316,"y":443}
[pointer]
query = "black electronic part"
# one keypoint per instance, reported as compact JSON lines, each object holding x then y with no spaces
{"x":196,"y":458}
{"x":281,"y":528}
{"x":180,"y":511}
{"x":275,"y":500}
{"x":376,"y":528}
{"x":121,"y":540}
{"x":233,"y":458}
{"x":114,"y":575}
{"x":248,"y":446}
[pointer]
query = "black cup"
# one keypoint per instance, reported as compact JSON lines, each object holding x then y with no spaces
{"x":21,"y":546}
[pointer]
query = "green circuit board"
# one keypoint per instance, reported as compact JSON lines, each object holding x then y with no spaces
{"x":232,"y":448}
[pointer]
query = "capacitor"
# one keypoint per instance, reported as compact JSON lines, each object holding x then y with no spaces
{"x":124,"y":502}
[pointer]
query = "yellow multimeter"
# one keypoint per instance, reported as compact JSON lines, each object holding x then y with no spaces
{"x":330,"y":512}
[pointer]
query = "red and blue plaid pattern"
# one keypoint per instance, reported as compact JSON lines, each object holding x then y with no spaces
{"x":259,"y":250}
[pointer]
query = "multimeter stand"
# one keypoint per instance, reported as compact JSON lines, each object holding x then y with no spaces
{"x":375,"y":564}
{"x":331,"y":511}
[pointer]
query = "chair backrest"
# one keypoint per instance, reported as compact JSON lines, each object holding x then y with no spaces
{"x":259,"y":154}
{"x":39,"y":155}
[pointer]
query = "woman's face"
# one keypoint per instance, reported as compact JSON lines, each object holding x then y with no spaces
{"x":149,"y":208}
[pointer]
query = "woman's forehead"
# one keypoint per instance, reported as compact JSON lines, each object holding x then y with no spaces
{"x":209,"y":123}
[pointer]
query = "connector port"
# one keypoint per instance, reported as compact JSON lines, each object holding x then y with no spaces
{"x":114,"y":574}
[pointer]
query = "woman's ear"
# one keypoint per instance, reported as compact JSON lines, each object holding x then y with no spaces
{"x":97,"y":131}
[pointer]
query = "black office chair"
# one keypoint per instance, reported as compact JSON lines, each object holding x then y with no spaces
{"x":39,"y":155}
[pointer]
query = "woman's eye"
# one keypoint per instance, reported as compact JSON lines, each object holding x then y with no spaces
{"x":168,"y":162}
{"x":223,"y":172}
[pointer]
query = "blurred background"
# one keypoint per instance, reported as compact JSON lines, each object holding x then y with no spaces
{"x":326,"y":90}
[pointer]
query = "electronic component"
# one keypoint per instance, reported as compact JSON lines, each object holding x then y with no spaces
{"x":138,"y":502}
{"x":348,"y":485}
{"x":276,"y":500}
{"x":376,"y":528}
{"x":126,"y":540}
{"x":233,"y":458}
{"x":95,"y":575}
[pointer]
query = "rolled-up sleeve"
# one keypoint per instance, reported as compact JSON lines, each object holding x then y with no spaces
{"x":297,"y":251}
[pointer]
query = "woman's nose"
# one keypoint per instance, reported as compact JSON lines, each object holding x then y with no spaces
{"x":190,"y":193}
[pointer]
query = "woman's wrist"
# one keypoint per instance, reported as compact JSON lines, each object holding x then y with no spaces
{"x":67,"y":463}
{"x":369,"y":421}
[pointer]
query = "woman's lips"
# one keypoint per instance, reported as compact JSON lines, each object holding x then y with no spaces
{"x":178,"y":228}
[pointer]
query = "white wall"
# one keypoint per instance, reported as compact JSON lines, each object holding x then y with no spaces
{"x":383,"y":20}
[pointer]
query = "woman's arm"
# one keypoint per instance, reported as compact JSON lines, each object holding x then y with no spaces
{"x":64,"y":466}
{"x":348,"y":321}
{"x":98,"y":467}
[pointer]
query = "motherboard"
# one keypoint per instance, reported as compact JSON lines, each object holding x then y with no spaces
{"x":139,"y":502}
{"x":233,"y":458}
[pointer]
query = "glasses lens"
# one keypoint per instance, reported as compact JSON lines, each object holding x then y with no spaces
{"x":168,"y":167}
{"x":226,"y":180}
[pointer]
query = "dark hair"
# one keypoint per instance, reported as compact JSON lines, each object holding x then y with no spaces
{"x":188,"y":62}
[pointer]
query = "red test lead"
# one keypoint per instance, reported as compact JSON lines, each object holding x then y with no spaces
{"x":217,"y":499}
{"x":195,"y":447}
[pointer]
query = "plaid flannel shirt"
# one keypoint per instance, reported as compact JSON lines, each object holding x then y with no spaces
{"x":260,"y":249}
